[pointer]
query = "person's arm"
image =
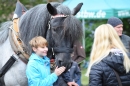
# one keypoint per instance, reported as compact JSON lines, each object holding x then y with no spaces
{"x":33,"y":76}
{"x":95,"y":76}
{"x":77,"y":73}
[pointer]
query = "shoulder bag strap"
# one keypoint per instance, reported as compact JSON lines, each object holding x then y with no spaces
{"x":118,"y":78}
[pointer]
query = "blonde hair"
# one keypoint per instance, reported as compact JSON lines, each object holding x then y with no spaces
{"x":106,"y":38}
{"x":38,"y":41}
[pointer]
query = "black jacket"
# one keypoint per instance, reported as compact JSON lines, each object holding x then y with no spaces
{"x":73,"y":74}
{"x":102,"y":74}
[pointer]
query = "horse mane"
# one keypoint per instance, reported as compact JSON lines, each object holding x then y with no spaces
{"x":72,"y":26}
{"x":4,"y":31}
{"x":34,"y":23}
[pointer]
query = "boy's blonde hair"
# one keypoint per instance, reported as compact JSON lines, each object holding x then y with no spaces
{"x":106,"y":38}
{"x":38,"y":41}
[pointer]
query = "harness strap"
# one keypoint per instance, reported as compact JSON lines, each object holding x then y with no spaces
{"x":15,"y":48}
{"x":15,"y":25}
{"x":2,"y":83}
{"x":63,"y":50}
{"x":16,"y":42}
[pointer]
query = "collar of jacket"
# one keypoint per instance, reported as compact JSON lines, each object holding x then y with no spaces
{"x":45,"y":60}
{"x":115,"y":60}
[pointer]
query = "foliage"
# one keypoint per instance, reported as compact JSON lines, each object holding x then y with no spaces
{"x":126,"y":26}
{"x":84,"y":79}
{"x":7,"y":7}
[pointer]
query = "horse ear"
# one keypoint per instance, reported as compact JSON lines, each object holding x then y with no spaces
{"x":52,"y":10}
{"x":77,"y":8}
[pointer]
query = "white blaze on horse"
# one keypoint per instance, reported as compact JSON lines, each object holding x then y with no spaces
{"x":54,"y":21}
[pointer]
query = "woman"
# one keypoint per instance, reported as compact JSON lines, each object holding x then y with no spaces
{"x":108,"y":54}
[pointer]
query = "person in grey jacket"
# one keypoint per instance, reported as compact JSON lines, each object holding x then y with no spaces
{"x":118,"y":26}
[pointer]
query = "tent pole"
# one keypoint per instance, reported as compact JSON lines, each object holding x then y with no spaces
{"x":83,"y":39}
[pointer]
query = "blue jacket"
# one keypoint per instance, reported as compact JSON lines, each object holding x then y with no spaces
{"x":38,"y":71}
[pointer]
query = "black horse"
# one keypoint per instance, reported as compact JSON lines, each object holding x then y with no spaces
{"x":57,"y":24}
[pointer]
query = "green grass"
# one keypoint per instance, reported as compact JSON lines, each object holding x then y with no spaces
{"x":84,"y":79}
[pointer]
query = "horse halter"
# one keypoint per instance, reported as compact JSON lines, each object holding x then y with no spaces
{"x":56,"y":49}
{"x":56,"y":16}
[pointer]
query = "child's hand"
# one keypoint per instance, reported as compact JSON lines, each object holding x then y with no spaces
{"x":59,"y":71}
{"x":72,"y":84}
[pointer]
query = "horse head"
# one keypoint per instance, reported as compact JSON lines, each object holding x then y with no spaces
{"x":63,"y":30}
{"x":57,"y":24}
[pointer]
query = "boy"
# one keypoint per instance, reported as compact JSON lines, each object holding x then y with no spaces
{"x":38,"y":68}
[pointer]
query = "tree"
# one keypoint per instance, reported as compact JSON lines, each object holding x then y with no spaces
{"x":7,"y":7}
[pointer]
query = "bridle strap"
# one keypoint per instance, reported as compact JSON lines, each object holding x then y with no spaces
{"x":59,"y":15}
{"x":57,"y":49}
{"x":56,"y":16}
{"x":63,"y":50}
